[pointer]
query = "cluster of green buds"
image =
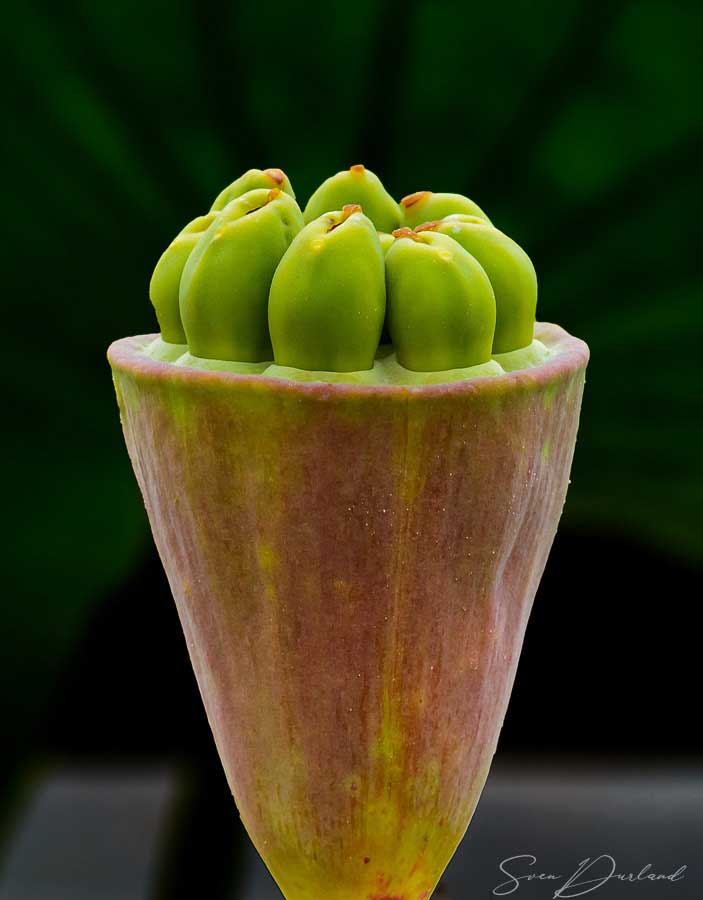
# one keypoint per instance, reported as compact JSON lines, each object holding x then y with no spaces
{"x":257,"y":279}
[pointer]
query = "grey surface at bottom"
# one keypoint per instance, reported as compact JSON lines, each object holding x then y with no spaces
{"x":621,"y":820}
{"x":89,"y":836}
{"x":97,"y":836}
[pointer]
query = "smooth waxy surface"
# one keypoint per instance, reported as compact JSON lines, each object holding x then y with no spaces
{"x":511,"y":274}
{"x":441,"y":309}
{"x":242,"y":298}
{"x":423,"y":206}
{"x":252,"y":180}
{"x":226,"y":279}
{"x":355,"y":185}
{"x":386,"y":241}
{"x":327,"y":299}
{"x":353,"y":568}
{"x":166,"y":280}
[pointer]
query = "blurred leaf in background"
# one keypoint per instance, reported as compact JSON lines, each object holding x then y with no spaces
{"x":577,"y":126}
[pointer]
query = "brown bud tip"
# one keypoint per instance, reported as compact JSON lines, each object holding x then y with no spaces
{"x":347,"y":210}
{"x":428,"y":226}
{"x":405,"y":233}
{"x":412,"y":199}
{"x":358,"y":169}
{"x":275,"y":175}
{"x":272,"y":194}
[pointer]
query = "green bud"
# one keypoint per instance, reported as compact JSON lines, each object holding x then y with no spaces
{"x":251,"y":181}
{"x":165,"y":282}
{"x":226,"y":280}
{"x":423,"y":206}
{"x":327,"y":299}
{"x":511,"y":273}
{"x":357,"y":185}
{"x":386,"y":241}
{"x":441,"y":308}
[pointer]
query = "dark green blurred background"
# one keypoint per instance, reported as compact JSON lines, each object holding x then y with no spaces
{"x":576,"y":125}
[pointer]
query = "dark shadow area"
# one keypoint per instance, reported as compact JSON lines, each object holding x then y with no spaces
{"x":610,"y":655}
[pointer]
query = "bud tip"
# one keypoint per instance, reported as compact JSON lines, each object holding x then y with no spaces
{"x":412,"y":199}
{"x":276,"y":175}
{"x":428,"y":226}
{"x":405,"y":233}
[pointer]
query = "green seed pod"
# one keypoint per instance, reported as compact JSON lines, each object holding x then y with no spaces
{"x":165,"y":282}
{"x":511,"y":273}
{"x":357,"y":185}
{"x":386,"y":241}
{"x":423,"y":206}
{"x":251,"y":181}
{"x":328,"y":298}
{"x":441,"y":308}
{"x":226,"y":280}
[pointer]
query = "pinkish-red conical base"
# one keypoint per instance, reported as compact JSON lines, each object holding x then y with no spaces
{"x":354,"y":568}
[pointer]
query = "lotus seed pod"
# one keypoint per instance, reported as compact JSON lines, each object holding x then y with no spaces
{"x":226,"y":279}
{"x":423,"y":206}
{"x":386,"y":241}
{"x":441,"y":308}
{"x":510,"y":270}
{"x":250,"y":181}
{"x":328,"y":299}
{"x":165,"y":282}
{"x":356,"y":185}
